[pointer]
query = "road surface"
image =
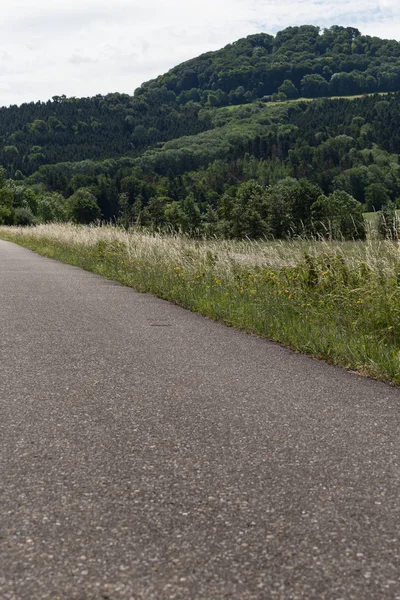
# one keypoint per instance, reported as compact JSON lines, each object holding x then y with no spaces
{"x":148,"y":453}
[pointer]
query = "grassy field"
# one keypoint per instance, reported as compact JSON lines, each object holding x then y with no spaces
{"x":336,"y":301}
{"x":301,"y":99}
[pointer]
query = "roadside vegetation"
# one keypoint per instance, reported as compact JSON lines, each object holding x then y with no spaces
{"x":339,"y":301}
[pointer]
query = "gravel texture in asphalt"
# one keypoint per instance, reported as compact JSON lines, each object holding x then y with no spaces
{"x":148,"y":453}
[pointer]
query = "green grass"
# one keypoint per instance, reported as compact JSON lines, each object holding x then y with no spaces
{"x":302,"y":99}
{"x":339,"y":302}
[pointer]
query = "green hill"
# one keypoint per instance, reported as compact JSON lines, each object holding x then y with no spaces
{"x":221,"y":145}
{"x":298,"y":60}
{"x":303,"y":61}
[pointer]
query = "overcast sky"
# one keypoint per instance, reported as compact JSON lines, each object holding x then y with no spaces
{"x":88,"y":47}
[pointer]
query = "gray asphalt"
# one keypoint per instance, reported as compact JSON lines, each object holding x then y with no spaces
{"x":149,"y":453}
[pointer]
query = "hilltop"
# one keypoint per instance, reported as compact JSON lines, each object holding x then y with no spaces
{"x":297,"y":61}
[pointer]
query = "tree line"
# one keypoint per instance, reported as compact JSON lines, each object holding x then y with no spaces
{"x":262,"y":171}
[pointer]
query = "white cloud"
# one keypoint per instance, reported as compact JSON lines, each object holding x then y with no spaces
{"x":81,"y":48}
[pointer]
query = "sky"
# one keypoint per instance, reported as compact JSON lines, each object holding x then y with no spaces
{"x":88,"y":47}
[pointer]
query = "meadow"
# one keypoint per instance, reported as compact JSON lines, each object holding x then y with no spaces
{"x":339,"y":301}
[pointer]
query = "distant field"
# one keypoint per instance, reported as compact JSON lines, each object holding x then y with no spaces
{"x":282,"y":103}
{"x":336,"y":301}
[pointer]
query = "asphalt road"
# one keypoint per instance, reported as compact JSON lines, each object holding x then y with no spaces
{"x":149,"y":453}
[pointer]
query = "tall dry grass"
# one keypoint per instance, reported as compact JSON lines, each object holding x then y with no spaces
{"x":379,"y":255}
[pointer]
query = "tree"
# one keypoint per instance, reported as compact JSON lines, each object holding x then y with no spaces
{"x":302,"y":196}
{"x":279,"y":97}
{"x":12,"y":157}
{"x":314,"y":86}
{"x":52,"y":207}
{"x":280,"y":204}
{"x":83,"y":207}
{"x":250,"y":211}
{"x":156,"y":208}
{"x":376,"y":196}
{"x":190,"y":215}
{"x":388,"y":222}
{"x":7,"y":212}
{"x":338,"y":216}
{"x":289,"y":89}
{"x":347,"y":84}
{"x":353,"y":181}
{"x":173,"y":215}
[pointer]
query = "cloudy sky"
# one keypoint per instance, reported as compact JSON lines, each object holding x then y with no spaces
{"x":88,"y":47}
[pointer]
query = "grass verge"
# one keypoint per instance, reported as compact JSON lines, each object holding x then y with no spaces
{"x":339,"y":302}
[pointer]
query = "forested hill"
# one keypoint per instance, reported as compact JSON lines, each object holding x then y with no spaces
{"x":297,"y":61}
{"x":222,"y":144}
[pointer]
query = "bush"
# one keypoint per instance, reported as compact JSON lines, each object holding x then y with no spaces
{"x":7,"y":215}
{"x":24,"y":217}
